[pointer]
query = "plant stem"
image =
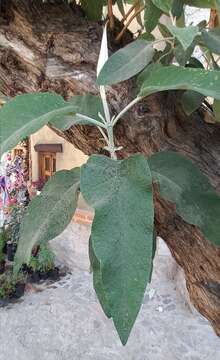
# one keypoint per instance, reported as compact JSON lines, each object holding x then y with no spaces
{"x":108,"y":125}
{"x":92,"y":121}
{"x":119,"y":36}
{"x":103,"y":134}
{"x":111,"y":145}
{"x":164,"y":55}
{"x":105,"y":104}
{"x":172,"y":18}
{"x":129,"y":11}
{"x":110,"y":15}
{"x":132,"y":103}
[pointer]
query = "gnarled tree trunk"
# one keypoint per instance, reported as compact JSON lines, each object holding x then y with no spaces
{"x":52,"y":47}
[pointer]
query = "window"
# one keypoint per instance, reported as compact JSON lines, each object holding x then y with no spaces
{"x":47,"y":165}
{"x":18,"y":152}
{"x":47,"y":159}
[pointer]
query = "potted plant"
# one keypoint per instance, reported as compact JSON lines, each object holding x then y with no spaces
{"x":42,"y":265}
{"x":19,"y":285}
{"x":46,"y":263}
{"x":7,"y":288}
{"x":11,"y":287}
{"x":32,"y":270}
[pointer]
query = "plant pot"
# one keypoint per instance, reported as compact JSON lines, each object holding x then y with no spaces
{"x":11,"y":249}
{"x":4,"y":302}
{"x":19,"y":290}
{"x":2,"y":267}
{"x":34,"y":277}
{"x":53,"y":274}
{"x":5,"y":249}
{"x":44,"y":275}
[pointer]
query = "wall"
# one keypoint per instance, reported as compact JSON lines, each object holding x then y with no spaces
{"x":69,"y":158}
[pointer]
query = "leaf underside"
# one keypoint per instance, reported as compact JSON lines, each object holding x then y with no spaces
{"x":152,"y":15}
{"x":97,"y":280}
{"x":160,"y":78}
{"x":88,"y":105}
{"x":122,"y":232}
{"x":191,"y":101}
{"x":25,"y":114}
{"x":49,"y":213}
{"x":184,"y":35}
{"x":164,"y":5}
{"x":183,"y":183}
{"x":211,"y":40}
{"x":126,"y":62}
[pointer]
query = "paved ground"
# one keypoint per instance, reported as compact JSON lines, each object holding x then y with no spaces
{"x":65,"y":322}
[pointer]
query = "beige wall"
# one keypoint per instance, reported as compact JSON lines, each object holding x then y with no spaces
{"x":69,"y":158}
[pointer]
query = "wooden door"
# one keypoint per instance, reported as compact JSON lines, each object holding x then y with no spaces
{"x":47,"y":165}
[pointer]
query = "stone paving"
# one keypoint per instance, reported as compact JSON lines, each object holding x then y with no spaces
{"x":65,"y":322}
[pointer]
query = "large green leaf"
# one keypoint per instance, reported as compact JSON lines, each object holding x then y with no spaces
{"x":216,"y":109}
{"x":122,"y":231}
{"x":183,"y":56}
{"x":97,"y":280}
{"x":160,"y":78}
{"x":151,"y":16}
{"x":27,"y":113}
{"x":191,"y":101}
{"x":185,"y":35}
{"x":49,"y":213}
{"x":177,"y":8}
{"x":93,"y":9}
{"x":120,"y":4}
{"x":184,"y":184}
{"x":211,"y":39}
{"x":164,"y":5}
{"x":88,"y":105}
{"x":126,"y":62}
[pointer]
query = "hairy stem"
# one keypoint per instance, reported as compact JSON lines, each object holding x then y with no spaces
{"x":132,"y":103}
{"x":92,"y":121}
{"x":111,"y":145}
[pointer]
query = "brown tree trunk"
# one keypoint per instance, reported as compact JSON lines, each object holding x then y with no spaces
{"x":53,"y":47}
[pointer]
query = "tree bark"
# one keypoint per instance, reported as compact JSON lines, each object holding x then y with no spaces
{"x":52,"y":47}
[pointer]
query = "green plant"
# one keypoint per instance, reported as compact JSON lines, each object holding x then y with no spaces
{"x":44,"y":261}
{"x":33,"y":263}
{"x":14,"y":222}
{"x":3,"y":240}
{"x":20,"y":277}
{"x":45,"y":258}
{"x":120,"y":191}
{"x":7,"y":285}
{"x":9,"y":282}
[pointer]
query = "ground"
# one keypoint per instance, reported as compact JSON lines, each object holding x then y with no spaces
{"x":65,"y":322}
